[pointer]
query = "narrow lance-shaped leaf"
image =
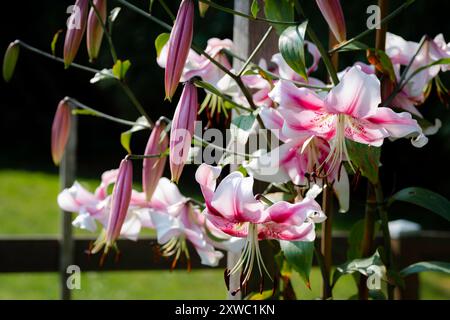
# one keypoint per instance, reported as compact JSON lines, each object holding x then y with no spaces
{"x":292,"y":48}
{"x":365,"y":158}
{"x":426,"y":266}
{"x":424,"y":198}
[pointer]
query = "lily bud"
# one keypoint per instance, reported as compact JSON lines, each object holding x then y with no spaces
{"x":333,"y":14}
{"x":179,"y":45}
{"x":10,"y":60}
{"x":153,"y":168}
{"x":95,"y":30}
{"x":60,"y":131}
{"x":120,"y":202}
{"x":76,"y":25}
{"x":182,"y":129}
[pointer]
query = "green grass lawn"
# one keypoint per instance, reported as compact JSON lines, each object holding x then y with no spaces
{"x":28,"y":206}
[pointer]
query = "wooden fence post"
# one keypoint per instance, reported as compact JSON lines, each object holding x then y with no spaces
{"x":246,"y":36}
{"x":67,"y":171}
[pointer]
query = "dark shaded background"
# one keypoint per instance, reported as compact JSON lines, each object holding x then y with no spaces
{"x":27,"y":104}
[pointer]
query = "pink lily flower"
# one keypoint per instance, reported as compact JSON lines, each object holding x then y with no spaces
{"x":349,"y":111}
{"x":401,"y":53}
{"x":182,"y":130}
{"x":179,"y":45}
{"x":198,"y":65}
{"x":232,"y":208}
{"x":95,"y":31}
{"x":177,"y":221}
{"x":153,"y":168}
{"x":333,"y":14}
{"x":92,"y":207}
{"x":75,"y":31}
{"x":60,"y":130}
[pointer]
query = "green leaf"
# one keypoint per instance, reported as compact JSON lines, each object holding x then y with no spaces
{"x":362,"y":266}
{"x":382,"y":63}
{"x":365,"y":158}
{"x":299,"y":254}
{"x":208,"y":87}
{"x":105,"y":74}
{"x":265,"y":295}
{"x":435,"y":266}
{"x":279,"y":10}
{"x":160,"y":42}
{"x":10,"y":60}
{"x":54,"y":41}
{"x":353,"y":46}
{"x":424,"y":198}
{"x":292,"y":48}
{"x":244,"y":122}
{"x":255,"y":8}
{"x":125,"y":137}
{"x":120,"y":69}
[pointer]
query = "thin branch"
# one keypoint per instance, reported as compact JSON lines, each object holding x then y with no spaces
{"x":136,"y":102}
{"x":368,"y":31}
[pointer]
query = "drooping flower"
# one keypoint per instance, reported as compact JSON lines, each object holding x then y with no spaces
{"x":177,"y":221}
{"x":404,"y":53}
{"x":182,"y":129}
{"x":349,"y":111}
{"x":60,"y":130}
{"x":179,"y":46}
{"x":333,"y":14}
{"x":94,"y":29}
{"x":232,"y":208}
{"x":93,"y":207}
{"x":153,"y":168}
{"x":200,"y":66}
{"x":75,"y":30}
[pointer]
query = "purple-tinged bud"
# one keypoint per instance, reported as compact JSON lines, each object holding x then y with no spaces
{"x":179,"y":45}
{"x":153,"y":168}
{"x":182,"y":129}
{"x":120,"y":202}
{"x":95,"y":30}
{"x":60,"y":131}
{"x":333,"y":14}
{"x":76,"y":26}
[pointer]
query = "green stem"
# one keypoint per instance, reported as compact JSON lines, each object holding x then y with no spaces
{"x":75,"y":103}
{"x":241,"y":14}
{"x":368,"y":31}
{"x":323,"y":53}
{"x":388,"y":259}
{"x":106,"y":32}
{"x":136,"y":103}
{"x":144,"y":156}
{"x":255,"y":51}
{"x":167,"y":9}
{"x":52,"y":57}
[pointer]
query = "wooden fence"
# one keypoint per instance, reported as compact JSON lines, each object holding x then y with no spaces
{"x":55,"y":254}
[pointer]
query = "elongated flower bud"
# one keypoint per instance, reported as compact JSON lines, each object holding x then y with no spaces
{"x":120,"y":202}
{"x":76,"y":26}
{"x":182,"y":129}
{"x":10,"y":60}
{"x":94,"y":34}
{"x":179,"y":45}
{"x":60,"y":130}
{"x":153,"y":168}
{"x":333,"y":14}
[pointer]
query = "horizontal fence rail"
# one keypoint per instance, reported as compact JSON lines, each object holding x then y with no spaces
{"x":42,"y":253}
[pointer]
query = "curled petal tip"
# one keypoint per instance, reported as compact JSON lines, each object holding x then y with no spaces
{"x":60,"y":131}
